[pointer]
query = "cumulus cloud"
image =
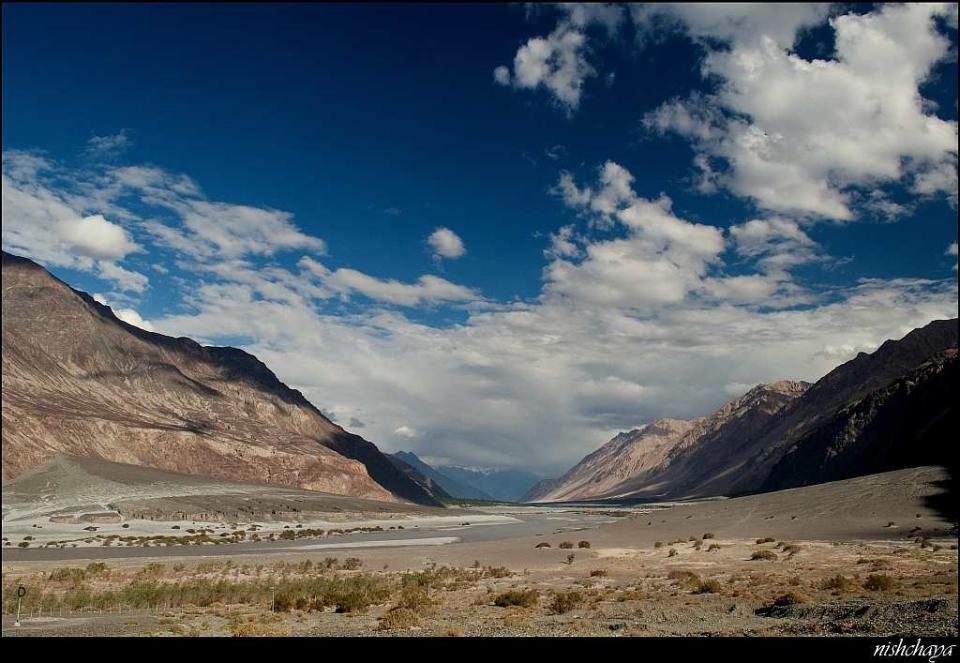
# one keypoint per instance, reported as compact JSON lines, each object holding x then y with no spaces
{"x":40,"y":222}
{"x":446,"y":244}
{"x":96,"y":237}
{"x":558,"y":62}
{"x":810,"y":138}
{"x":806,"y":137}
{"x":660,"y":260}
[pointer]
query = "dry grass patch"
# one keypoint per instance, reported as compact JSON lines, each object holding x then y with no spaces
{"x":564,"y":602}
{"x":838,"y":583}
{"x":880,"y":582}
{"x":524,"y":598}
{"x":763,"y":555}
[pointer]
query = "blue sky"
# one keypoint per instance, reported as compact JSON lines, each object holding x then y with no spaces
{"x":644,"y":197}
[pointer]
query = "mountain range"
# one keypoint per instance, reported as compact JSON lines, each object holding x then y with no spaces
{"x":78,"y":381}
{"x":494,"y":484}
{"x":889,"y":409}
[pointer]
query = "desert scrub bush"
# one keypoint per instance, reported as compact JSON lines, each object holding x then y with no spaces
{"x":525,"y":598}
{"x":66,"y":574}
{"x":838,"y":583}
{"x":566,"y":545}
{"x":790,"y":598}
{"x":583,"y":544}
{"x":713,"y":546}
{"x":570,"y":558}
{"x":766,"y":539}
{"x":658,"y":544}
{"x":414,"y":598}
{"x":672,"y":552}
{"x":708,"y":535}
{"x":542,"y":544}
{"x":763,"y":555}
{"x":598,"y":573}
{"x":564,"y":602}
{"x":682,"y":577}
{"x":398,"y":618}
{"x":879,"y":582}
{"x":710,"y":586}
{"x":352,"y":563}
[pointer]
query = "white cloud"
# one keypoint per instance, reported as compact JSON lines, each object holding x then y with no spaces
{"x":446,"y":244}
{"x":558,"y":61}
{"x":952,"y":251}
{"x":804,"y":136}
{"x":428,"y":289}
{"x":125,"y":279}
{"x":544,"y":383}
{"x":128,"y":315}
{"x":637,"y":318}
{"x":661,"y":259}
{"x":96,"y":237}
{"x":405,"y":432}
{"x":108,"y":147}
{"x":39,"y":222}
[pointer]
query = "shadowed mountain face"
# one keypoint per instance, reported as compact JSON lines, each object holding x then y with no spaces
{"x":881,"y":411}
{"x":79,"y":381}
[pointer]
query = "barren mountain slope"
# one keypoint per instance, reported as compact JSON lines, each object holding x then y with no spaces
{"x":889,"y":409}
{"x":623,"y":457}
{"x":78,"y":381}
{"x":628,"y":462}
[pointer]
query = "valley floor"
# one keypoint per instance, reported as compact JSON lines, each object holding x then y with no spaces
{"x":864,"y":556}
